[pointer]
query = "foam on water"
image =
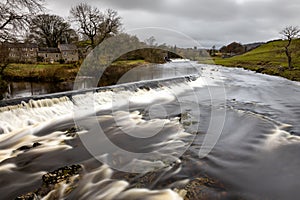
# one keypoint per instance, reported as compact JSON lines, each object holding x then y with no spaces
{"x":280,"y":137}
{"x":46,"y":121}
{"x":33,"y":112}
{"x":252,"y":137}
{"x":97,"y":184}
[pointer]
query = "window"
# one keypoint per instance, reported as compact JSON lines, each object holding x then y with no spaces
{"x":46,"y":55}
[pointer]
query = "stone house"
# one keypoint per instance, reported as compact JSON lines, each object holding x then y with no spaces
{"x":49,"y":55}
{"x":22,"y":52}
{"x":31,"y":53}
{"x":69,"y":52}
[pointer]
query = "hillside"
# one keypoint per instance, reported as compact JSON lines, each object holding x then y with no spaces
{"x":268,"y":58}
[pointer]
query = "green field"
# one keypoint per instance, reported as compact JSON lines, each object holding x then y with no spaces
{"x":269,"y":58}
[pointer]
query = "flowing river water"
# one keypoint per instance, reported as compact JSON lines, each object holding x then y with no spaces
{"x":143,"y":140}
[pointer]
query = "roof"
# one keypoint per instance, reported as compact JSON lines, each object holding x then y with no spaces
{"x":49,"y":50}
{"x":21,"y":45}
{"x":67,"y":47}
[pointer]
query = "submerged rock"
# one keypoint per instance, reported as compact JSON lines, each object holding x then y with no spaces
{"x":72,"y":132}
{"x":28,"y":147}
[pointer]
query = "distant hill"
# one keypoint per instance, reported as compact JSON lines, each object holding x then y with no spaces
{"x":268,"y":54}
{"x":267,"y":58}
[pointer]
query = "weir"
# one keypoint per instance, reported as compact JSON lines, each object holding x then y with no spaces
{"x":125,"y":86}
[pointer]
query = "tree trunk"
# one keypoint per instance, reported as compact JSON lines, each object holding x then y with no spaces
{"x":92,"y":42}
{"x":289,"y":54}
{"x":290,"y":61}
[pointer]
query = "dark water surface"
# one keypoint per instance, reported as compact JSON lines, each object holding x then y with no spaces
{"x":252,"y":119}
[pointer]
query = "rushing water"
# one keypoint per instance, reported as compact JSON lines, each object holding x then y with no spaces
{"x":255,"y":156}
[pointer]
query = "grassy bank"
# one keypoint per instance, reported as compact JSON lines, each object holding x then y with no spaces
{"x":63,"y":72}
{"x":268,"y":58}
{"x":60,"y":72}
{"x":41,"y":72}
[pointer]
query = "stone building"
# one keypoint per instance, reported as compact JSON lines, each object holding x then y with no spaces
{"x":22,"y":52}
{"x":69,"y":52}
{"x":49,"y":55}
{"x":31,"y":53}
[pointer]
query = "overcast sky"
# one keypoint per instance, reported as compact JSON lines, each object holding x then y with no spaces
{"x":208,"y":22}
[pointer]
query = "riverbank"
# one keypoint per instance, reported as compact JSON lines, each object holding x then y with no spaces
{"x":41,"y":72}
{"x":264,"y":67}
{"x":269,"y":59}
{"x":63,"y":72}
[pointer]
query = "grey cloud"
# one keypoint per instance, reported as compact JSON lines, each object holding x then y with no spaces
{"x":194,"y":9}
{"x":209,"y":22}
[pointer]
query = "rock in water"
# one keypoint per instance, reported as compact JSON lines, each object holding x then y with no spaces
{"x":50,"y":181}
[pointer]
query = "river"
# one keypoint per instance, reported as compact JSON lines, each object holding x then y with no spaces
{"x":237,"y":126}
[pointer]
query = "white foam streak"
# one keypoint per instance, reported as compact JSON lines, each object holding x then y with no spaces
{"x":97,"y":184}
{"x":280,"y":137}
{"x":135,"y":194}
{"x":209,"y":76}
{"x":8,"y":167}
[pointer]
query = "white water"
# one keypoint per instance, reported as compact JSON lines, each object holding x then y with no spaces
{"x":262,"y":115}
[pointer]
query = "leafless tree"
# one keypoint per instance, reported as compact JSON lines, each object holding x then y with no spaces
{"x":110,"y":25}
{"x":151,"y":41}
{"x":290,"y":33}
{"x":16,"y":15}
{"x":49,"y":30}
{"x":69,"y":37}
{"x":94,"y":24}
{"x":88,"y":18}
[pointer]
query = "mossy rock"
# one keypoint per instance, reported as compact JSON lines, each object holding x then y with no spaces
{"x":51,"y":180}
{"x":61,"y":174}
{"x":29,"y":196}
{"x":204,"y":188}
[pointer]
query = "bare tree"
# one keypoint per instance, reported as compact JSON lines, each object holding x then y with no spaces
{"x":290,"y":33}
{"x":151,"y":41}
{"x":49,"y":30}
{"x":69,"y":37}
{"x":94,"y":24}
{"x":88,"y":19}
{"x":111,"y":23}
{"x":16,"y":15}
